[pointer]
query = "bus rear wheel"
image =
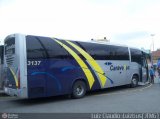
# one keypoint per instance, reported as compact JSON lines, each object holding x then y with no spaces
{"x":134,"y":82}
{"x":78,"y":89}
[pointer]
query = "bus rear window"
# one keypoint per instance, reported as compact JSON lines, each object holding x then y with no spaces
{"x":10,"y":46}
{"x":10,"y":50}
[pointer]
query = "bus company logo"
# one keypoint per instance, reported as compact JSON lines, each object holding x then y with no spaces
{"x":4,"y":116}
{"x":119,"y":68}
{"x":108,"y":63}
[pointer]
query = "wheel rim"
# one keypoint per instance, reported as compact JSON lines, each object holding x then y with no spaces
{"x":79,"y":90}
{"x":134,"y":81}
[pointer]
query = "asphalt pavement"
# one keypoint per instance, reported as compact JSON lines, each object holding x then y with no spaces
{"x":144,"y":98}
{"x":120,"y":99}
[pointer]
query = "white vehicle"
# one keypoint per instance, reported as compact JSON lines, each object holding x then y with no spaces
{"x":38,"y":66}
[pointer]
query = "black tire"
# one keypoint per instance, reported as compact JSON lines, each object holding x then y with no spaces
{"x":134,"y":82}
{"x":78,"y":89}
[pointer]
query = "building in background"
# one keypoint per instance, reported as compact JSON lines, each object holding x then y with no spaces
{"x":155,"y":55}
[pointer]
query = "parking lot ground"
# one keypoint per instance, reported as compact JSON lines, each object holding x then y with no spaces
{"x":119,"y":99}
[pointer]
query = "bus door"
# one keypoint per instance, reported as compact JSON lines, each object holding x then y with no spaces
{"x":144,"y":69}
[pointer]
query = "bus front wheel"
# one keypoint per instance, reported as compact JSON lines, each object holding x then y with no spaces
{"x":78,"y":89}
{"x":134,"y":82}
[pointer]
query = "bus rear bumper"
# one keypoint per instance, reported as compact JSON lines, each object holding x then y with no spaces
{"x":22,"y":93}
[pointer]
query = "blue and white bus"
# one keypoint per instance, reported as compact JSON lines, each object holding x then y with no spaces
{"x":37,"y":66}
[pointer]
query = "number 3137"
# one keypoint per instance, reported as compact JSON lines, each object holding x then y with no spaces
{"x":34,"y":63}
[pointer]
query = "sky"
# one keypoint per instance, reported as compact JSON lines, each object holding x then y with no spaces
{"x":135,"y":23}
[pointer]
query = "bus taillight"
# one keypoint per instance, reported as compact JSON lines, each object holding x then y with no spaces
{"x":18,"y":79}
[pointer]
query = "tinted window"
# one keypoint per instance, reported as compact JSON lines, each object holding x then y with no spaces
{"x":53,"y":49}
{"x":10,"y":50}
{"x":10,"y":46}
{"x":105,"y":52}
{"x":1,"y":53}
{"x":136,"y":56}
{"x":118,"y":53}
{"x":97,"y":51}
{"x":34,"y":48}
{"x":44,"y":47}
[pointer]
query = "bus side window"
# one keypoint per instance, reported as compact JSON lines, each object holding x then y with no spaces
{"x":2,"y":54}
{"x":53,"y":49}
{"x":136,"y":56}
{"x":97,"y":51}
{"x":118,"y":53}
{"x":34,"y":48}
{"x":144,"y":62}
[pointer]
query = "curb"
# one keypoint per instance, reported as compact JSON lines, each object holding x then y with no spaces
{"x":143,"y":83}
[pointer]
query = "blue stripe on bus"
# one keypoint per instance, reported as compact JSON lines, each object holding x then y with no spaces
{"x":68,"y":68}
{"x":50,"y":75}
{"x":73,"y":67}
{"x":111,"y":81}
